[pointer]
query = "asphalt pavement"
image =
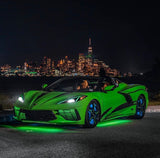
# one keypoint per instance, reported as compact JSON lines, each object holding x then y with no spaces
{"x":111,"y":139}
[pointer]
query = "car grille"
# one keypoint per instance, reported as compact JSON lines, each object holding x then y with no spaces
{"x":71,"y":114}
{"x":39,"y":115}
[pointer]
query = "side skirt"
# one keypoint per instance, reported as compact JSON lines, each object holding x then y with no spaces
{"x":122,"y":106}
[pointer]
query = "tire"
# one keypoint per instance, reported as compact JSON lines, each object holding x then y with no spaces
{"x":141,"y":107}
{"x":93,"y":114}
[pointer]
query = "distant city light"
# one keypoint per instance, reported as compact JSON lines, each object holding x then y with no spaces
{"x":85,"y":66}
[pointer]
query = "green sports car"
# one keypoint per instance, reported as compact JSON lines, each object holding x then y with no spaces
{"x":82,"y":101}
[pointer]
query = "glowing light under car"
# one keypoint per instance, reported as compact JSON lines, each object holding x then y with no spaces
{"x":112,"y":123}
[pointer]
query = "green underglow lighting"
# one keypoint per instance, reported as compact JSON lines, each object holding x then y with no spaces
{"x":34,"y":129}
{"x":112,"y":123}
{"x":52,"y":129}
{"x":6,"y":126}
{"x":37,"y":129}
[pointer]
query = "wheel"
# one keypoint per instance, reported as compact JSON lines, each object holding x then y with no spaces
{"x":141,"y":107}
{"x":92,"y":114}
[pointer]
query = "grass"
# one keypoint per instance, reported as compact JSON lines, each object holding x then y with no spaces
{"x":153,"y":103}
{"x":6,"y":101}
{"x":154,"y":98}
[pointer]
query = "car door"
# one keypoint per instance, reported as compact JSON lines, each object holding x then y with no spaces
{"x":110,"y":100}
{"x":124,"y":107}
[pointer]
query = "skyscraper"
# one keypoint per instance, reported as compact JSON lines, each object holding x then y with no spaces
{"x":25,"y":66}
{"x":52,"y":64}
{"x":48,"y":63}
{"x":81,"y":61}
{"x":44,"y":61}
{"x":90,"y":51}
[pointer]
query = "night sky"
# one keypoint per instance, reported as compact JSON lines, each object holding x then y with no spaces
{"x":125,"y":38}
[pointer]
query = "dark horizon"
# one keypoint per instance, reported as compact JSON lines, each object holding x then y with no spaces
{"x":124,"y":38}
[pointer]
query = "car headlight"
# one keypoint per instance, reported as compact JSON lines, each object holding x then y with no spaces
{"x":73,"y":99}
{"x":20,"y":99}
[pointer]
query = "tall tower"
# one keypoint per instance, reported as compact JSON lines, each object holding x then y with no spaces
{"x":45,"y":61}
{"x":90,"y":51}
{"x":25,"y":66}
{"x":49,"y":63}
{"x":52,"y":64}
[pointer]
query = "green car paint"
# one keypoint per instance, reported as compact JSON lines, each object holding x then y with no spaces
{"x":71,"y":107}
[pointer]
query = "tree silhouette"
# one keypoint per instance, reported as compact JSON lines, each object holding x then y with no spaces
{"x":156,"y":67}
{"x":154,"y":73}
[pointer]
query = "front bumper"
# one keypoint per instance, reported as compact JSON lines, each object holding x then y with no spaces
{"x":68,"y":116}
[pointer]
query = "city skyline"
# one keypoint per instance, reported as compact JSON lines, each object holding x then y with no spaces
{"x":125,"y":38}
{"x":86,"y":65}
{"x":55,"y":63}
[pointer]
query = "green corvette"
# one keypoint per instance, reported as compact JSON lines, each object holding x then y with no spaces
{"x":82,"y":101}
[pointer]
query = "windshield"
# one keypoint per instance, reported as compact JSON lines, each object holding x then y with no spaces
{"x":78,"y":84}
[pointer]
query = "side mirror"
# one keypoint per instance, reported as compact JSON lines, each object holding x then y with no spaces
{"x":109,"y":88}
{"x":44,"y":86}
